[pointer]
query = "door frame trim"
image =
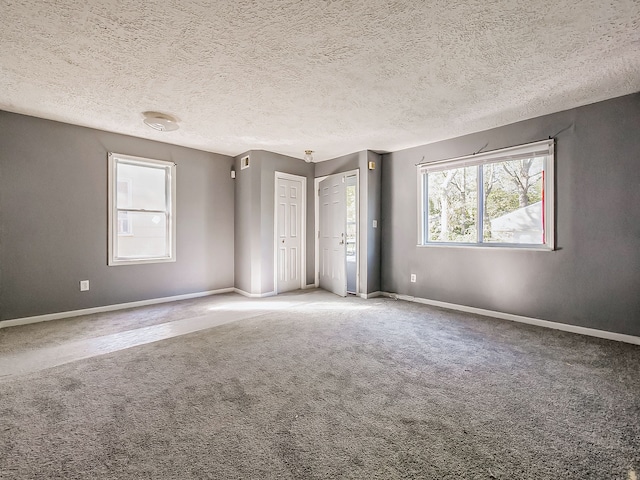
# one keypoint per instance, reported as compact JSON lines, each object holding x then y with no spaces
{"x":316,"y":231}
{"x":303,"y":228}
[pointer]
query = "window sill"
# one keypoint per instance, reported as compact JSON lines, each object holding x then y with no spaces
{"x":515,"y":247}
{"x":139,"y":261}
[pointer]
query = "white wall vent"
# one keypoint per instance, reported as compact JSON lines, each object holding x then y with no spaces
{"x":244,"y":162}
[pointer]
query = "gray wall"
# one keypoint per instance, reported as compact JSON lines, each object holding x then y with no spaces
{"x":374,"y":212}
{"x":53,"y":225}
{"x":370,"y":210}
{"x":592,"y":280}
{"x":247,"y":225}
{"x":53,"y":220}
{"x":255,"y":209}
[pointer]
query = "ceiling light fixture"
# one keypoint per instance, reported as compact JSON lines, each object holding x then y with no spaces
{"x":160,"y":121}
{"x":308,"y":156}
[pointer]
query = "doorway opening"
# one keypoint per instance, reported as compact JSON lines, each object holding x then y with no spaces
{"x":351,"y":254}
{"x":338,"y":232}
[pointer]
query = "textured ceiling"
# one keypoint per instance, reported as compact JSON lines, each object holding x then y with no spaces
{"x":332,"y":76}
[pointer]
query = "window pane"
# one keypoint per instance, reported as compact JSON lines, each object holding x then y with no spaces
{"x":351,"y":222}
{"x":148,"y":237}
{"x":141,"y":187}
{"x":124,"y":223}
{"x":124,"y":193}
{"x":513,"y":201}
{"x":453,"y":205}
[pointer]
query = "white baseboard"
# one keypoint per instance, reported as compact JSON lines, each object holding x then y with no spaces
{"x":370,"y":295}
{"x":253,"y":295}
{"x":592,"y":332}
{"x":107,"y":308}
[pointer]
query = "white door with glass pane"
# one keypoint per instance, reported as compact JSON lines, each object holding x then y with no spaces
{"x":332,"y":249}
{"x":290,"y":204}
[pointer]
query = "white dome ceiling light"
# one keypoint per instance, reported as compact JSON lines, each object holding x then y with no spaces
{"x":160,"y":121}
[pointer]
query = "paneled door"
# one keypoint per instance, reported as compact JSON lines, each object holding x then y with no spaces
{"x":333,"y":221}
{"x":289,"y":223}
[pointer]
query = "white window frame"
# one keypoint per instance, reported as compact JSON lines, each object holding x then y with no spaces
{"x":170,"y":209}
{"x":544,"y":148}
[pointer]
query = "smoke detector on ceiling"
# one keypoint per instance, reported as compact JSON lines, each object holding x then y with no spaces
{"x":160,"y":121}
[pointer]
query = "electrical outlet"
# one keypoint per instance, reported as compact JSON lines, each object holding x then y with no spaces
{"x":375,"y":224}
{"x":84,"y":285}
{"x":413,"y":278}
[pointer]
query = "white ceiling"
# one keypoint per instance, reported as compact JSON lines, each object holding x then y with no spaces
{"x":332,"y":76}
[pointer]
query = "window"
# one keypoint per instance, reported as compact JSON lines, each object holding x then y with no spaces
{"x":499,"y":198}
{"x":142,"y":225}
